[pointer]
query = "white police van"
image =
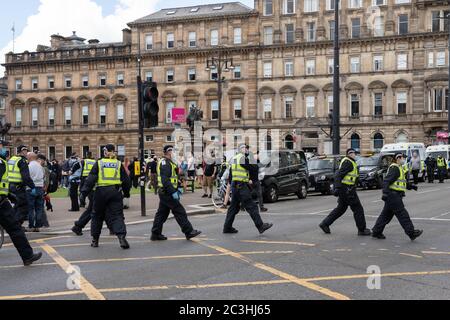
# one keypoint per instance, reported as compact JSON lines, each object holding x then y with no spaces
{"x":408,"y":149}
{"x":439,"y":150}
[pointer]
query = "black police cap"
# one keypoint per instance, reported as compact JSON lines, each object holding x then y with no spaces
{"x":110,"y":148}
{"x":22,"y":148}
{"x":167,"y":149}
{"x":351,"y":150}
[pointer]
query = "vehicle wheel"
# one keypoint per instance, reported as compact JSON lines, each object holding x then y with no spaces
{"x":302,"y":193}
{"x":272,"y":194}
{"x":2,"y":237}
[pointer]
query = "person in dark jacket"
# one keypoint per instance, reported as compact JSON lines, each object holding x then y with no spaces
{"x":430,"y":163}
{"x":345,"y":183}
{"x":394,"y":188}
{"x":256,"y":184}
{"x":74,"y":182}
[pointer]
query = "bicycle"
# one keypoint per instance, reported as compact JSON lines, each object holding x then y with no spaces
{"x":219,"y":195}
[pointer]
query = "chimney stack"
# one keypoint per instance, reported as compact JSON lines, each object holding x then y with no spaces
{"x":126,"y":33}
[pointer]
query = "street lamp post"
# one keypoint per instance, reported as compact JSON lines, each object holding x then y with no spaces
{"x":221,"y":63}
{"x":336,"y":85}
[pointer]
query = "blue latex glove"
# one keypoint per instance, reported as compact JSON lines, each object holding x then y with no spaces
{"x":176,"y":196}
{"x":34,"y":192}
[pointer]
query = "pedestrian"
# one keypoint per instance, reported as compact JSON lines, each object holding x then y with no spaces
{"x":170,"y":199}
{"x":47,"y":201}
{"x":199,"y":172}
{"x":152,"y":167}
{"x":65,"y":174}
{"x":224,"y":175}
{"x":256,"y":179}
{"x":430,"y":163}
{"x":209,"y":175}
{"x":345,"y":183}
{"x":241,"y":194}
{"x":191,"y":167}
{"x":35,"y":199}
{"x":7,"y":216}
{"x":20,"y":180}
{"x":394,"y":188}
{"x":133,"y":176}
{"x":442,"y":168}
{"x":110,"y":179}
{"x":75,"y":172}
{"x":183,"y":167}
{"x":415,"y":164}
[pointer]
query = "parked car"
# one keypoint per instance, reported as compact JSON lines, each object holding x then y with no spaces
{"x":373,"y":169}
{"x":322,"y":170}
{"x":288,"y":176}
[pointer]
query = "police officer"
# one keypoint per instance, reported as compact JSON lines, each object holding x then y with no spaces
{"x":345,"y":183}
{"x":241,"y":193}
{"x":111,"y":178}
{"x":430,"y":163}
{"x":394,"y":188}
{"x":7,"y":217}
{"x":87,"y":164}
{"x":19,"y":179}
{"x":442,"y":168}
{"x":170,"y":199}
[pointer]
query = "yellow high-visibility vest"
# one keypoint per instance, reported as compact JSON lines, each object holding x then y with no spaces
{"x":440,"y":162}
{"x":4,"y":184}
{"x":400,"y":183}
{"x":88,"y":165}
{"x":350,"y":178}
{"x":238,"y":172}
{"x":173,"y":177}
{"x":109,"y":173}
{"x":14,"y":175}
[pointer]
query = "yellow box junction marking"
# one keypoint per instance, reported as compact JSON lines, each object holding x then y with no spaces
{"x":280,"y":242}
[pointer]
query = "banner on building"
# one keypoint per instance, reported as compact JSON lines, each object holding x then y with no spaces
{"x":178,"y":115}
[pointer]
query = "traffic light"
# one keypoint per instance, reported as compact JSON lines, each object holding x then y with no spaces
{"x":150,"y":96}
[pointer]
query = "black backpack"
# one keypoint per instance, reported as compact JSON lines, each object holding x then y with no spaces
{"x":53,"y":182}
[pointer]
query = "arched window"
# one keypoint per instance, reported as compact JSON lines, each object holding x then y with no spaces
{"x":378,"y":141}
{"x":289,"y":142}
{"x":401,"y":138}
{"x":355,"y":142}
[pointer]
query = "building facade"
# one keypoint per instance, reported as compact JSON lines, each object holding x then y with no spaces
{"x":74,"y":96}
{"x":3,"y":97}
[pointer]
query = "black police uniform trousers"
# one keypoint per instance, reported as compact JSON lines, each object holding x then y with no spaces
{"x":441,"y":174}
{"x":394,"y":206}
{"x":430,"y":174}
{"x":73,"y":192}
{"x":9,"y":222}
{"x":242,"y":196}
{"x":21,"y":205}
{"x":348,"y":198}
{"x":167,"y":204}
{"x":108,"y":207}
{"x":87,"y":214}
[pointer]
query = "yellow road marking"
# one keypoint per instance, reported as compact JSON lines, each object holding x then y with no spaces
{"x":436,"y":252}
{"x":278,"y":273}
{"x":149,"y":258}
{"x":40,"y":240}
{"x":91,"y":292}
{"x":42,"y":295}
{"x":410,"y":255}
{"x":280,"y":242}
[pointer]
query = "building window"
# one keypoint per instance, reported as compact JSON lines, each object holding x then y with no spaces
{"x":268,"y":7}
{"x":355,"y":64}
{"x":311,"y":5}
{"x":170,"y":76}
{"x":102,"y":114}
{"x":149,"y":138}
{"x":289,"y":68}
{"x":149,"y":42}
{"x":355,"y":142}
{"x":191,"y":74}
{"x":267,"y":69}
{"x":192,"y":39}
{"x":289,"y":142}
{"x":51,"y":116}
{"x":438,"y":99}
{"x":311,"y":31}
{"x":310,"y":67}
{"x":330,"y":100}
{"x":289,"y":33}
{"x":289,"y":6}
{"x":378,"y":141}
{"x":310,"y":106}
{"x":237,"y":35}
{"x":402,"y":98}
{"x":51,"y":153}
{"x":378,"y":27}
{"x":34,"y":117}
{"x":102,"y":80}
{"x":403,"y":24}
{"x":149,"y":76}
{"x":330,"y":4}
{"x":331,"y":27}
{"x":68,"y":115}
{"x":169,"y":106}
{"x":237,"y":105}
{"x":34,"y":84}
{"x":378,"y":2}
{"x":354,"y":106}
{"x":2,"y":103}
{"x":18,"y":85}
{"x":440,"y":59}
{"x":51,"y":82}
{"x":430,"y":59}
{"x":85,"y":81}
{"x":120,"y":114}
{"x":68,"y":82}
{"x":170,"y":40}
{"x":237,"y":72}
{"x":214,"y":74}
{"x":120,"y":79}
{"x":378,"y":63}
{"x":214,"y":110}
{"x":353,"y":4}
{"x":268,"y":36}
{"x":85,"y":115}
{"x":378,"y":103}
{"x":356,"y":28}
{"x":214,"y":37}
{"x":18,"y":117}
{"x":402,"y":61}
{"x":289,"y":107}
{"x":267,"y":109}
{"x":437,"y":23}
{"x":69,"y":152}
{"x":330,"y":66}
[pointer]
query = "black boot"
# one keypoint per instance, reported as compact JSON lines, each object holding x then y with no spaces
{"x":379,"y":236}
{"x":158,"y":237}
{"x":230,"y":231}
{"x":325,"y":228}
{"x":265,"y":227}
{"x":193,"y":234}
{"x":77,"y":230}
{"x":415,"y":234}
{"x":34,"y":258}
{"x":123,"y":242}
{"x":94,"y":243}
{"x":365,"y":232}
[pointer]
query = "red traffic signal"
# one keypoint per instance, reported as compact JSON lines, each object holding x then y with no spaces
{"x":150,"y":95}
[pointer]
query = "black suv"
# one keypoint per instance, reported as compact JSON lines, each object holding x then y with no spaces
{"x":321,"y":173}
{"x":372,"y":170}
{"x":288,"y":176}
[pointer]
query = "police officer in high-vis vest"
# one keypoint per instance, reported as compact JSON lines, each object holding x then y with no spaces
{"x":241,"y":192}
{"x":394,"y":187}
{"x":7,"y":217}
{"x":170,"y":199}
{"x":345,"y":183}
{"x":442,"y":168}
{"x":87,"y":165}
{"x":19,"y":180}
{"x":110,"y":179}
